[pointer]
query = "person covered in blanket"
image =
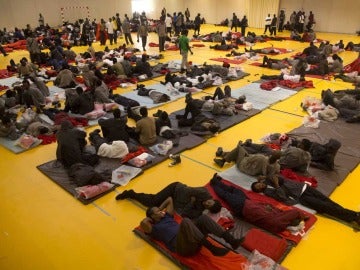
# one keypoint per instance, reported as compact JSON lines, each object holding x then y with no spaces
{"x":260,"y":214}
{"x":187,"y":237}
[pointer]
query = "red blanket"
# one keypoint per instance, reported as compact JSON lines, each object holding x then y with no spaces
{"x":203,"y":260}
{"x":198,"y":45}
{"x":4,"y":73}
{"x":269,"y":85}
{"x":76,"y":121}
{"x":288,"y":173}
{"x":354,"y":66}
{"x":153,"y":44}
{"x":265,"y":199}
{"x":256,"y":64}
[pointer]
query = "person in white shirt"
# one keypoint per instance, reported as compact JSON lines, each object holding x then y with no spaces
{"x":168,"y":23}
{"x":267,"y":23}
{"x":110,"y":30}
{"x":301,"y":22}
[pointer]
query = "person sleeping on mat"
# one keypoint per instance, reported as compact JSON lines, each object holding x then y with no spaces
{"x":263,"y":215}
{"x":188,"y":201}
{"x":188,"y":237}
{"x":292,"y":192}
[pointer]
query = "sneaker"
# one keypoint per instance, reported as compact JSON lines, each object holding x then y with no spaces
{"x":219,"y":152}
{"x":176,"y":159}
{"x":219,"y":161}
{"x":248,"y":142}
{"x":216,"y":178}
{"x":355,"y":225}
{"x":126,"y":194}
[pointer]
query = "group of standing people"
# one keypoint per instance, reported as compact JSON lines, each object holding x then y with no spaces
{"x":296,"y":22}
{"x":180,"y":21}
{"x":271,"y":24}
{"x":243,"y":23}
{"x":111,"y":28}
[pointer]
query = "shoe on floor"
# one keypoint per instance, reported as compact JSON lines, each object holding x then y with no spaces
{"x":248,"y":142}
{"x":355,"y":225}
{"x":219,"y":161}
{"x":125,"y":195}
{"x":176,"y":159}
{"x":219,"y":152}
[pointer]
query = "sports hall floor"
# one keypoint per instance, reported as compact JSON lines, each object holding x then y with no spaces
{"x":43,"y":227}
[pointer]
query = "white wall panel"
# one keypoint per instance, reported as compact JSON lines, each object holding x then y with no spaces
{"x":330,"y":15}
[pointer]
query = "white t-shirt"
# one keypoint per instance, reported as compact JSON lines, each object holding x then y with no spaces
{"x":168,"y":21}
{"x":268,"y":20}
{"x":110,"y":28}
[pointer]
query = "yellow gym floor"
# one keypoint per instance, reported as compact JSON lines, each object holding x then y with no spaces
{"x":43,"y":227}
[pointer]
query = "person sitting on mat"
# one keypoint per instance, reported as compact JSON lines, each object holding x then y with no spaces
{"x":291,"y":192}
{"x":260,"y":214}
{"x":188,"y":237}
{"x":145,"y":128}
{"x":70,"y":146}
{"x":115,"y":129}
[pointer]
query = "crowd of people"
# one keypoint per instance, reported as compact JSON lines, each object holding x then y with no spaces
{"x":252,"y":159}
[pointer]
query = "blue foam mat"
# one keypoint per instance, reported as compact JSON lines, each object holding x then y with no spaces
{"x":262,"y":99}
{"x":10,"y":145}
{"x":147,"y":101}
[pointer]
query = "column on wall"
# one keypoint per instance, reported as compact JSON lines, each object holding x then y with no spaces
{"x":259,"y":9}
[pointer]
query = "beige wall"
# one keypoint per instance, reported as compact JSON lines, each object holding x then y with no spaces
{"x":337,"y":16}
{"x":214,"y":11}
{"x":331,"y":15}
{"x":20,"y":12}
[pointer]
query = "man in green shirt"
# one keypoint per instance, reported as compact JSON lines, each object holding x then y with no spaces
{"x":184,"y":50}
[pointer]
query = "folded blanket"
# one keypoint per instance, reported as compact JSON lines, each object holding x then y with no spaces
{"x":91,"y":191}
